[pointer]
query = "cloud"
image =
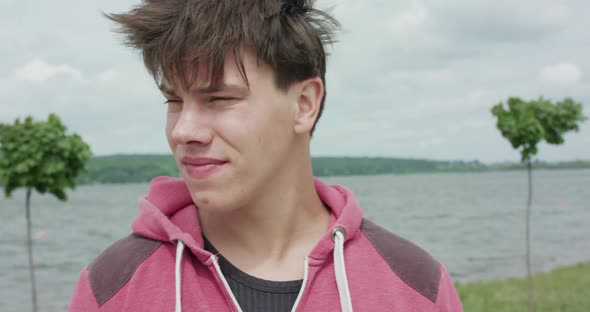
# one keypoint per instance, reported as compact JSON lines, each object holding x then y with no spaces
{"x":38,"y":70}
{"x":108,"y":75}
{"x":499,"y":20}
{"x":433,"y":141}
{"x":562,"y":74}
{"x":467,"y":125}
{"x":413,"y":17}
{"x":412,"y":78}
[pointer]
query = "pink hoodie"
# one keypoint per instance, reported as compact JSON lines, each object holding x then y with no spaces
{"x":162,"y":266}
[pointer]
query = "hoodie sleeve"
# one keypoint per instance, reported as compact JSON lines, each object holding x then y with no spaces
{"x":447,"y":299}
{"x":83,"y":299}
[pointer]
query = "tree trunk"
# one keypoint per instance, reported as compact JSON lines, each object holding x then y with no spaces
{"x":30,"y":249}
{"x":528,"y":240}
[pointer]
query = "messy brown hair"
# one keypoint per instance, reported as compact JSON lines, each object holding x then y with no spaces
{"x":176,"y":36}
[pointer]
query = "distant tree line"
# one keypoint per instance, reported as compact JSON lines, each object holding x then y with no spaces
{"x":128,"y":168}
{"x":143,"y":168}
{"x":338,"y":166}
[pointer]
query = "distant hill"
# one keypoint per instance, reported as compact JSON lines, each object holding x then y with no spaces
{"x":143,"y":168}
{"x":128,"y":168}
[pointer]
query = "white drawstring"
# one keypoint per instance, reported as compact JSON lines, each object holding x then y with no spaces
{"x":305,"y":274}
{"x":225,"y":284}
{"x":179,"y":249}
{"x":340,"y":271}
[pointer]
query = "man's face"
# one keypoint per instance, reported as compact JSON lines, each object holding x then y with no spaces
{"x":229,"y":141}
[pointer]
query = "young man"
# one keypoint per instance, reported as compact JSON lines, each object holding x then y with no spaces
{"x":248,"y":227}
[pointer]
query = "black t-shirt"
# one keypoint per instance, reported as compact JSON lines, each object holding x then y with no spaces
{"x":255,"y":294}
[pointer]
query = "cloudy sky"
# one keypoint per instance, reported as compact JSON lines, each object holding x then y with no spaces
{"x":408,"y":78}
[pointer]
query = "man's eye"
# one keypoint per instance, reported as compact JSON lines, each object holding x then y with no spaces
{"x":172,"y":101}
{"x":222,"y":98}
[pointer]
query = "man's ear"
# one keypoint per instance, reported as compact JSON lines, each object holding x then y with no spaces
{"x":309,"y":99}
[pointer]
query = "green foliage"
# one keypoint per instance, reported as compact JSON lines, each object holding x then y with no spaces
{"x":564,"y":289}
{"x":526,"y":123}
{"x":39,"y":155}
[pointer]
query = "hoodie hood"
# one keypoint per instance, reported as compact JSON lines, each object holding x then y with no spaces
{"x":168,"y":214}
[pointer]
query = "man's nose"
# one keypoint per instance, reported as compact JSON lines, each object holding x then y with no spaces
{"x":193,"y":126}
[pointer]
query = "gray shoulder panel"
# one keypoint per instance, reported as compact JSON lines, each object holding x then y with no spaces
{"x":115,"y":265}
{"x":411,"y":263}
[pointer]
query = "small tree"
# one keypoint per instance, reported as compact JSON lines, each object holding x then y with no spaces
{"x":525,"y":124}
{"x":40,"y":156}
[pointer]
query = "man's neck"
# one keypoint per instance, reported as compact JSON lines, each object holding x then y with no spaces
{"x":270,"y":237}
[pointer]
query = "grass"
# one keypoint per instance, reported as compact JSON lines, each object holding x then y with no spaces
{"x":563,"y":289}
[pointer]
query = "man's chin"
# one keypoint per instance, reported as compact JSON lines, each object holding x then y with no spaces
{"x":213,"y":201}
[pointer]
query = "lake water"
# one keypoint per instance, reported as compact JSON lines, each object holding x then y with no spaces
{"x":473,"y":223}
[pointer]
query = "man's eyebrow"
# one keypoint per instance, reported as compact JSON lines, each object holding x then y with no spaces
{"x":218,"y":88}
{"x":206,"y":89}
